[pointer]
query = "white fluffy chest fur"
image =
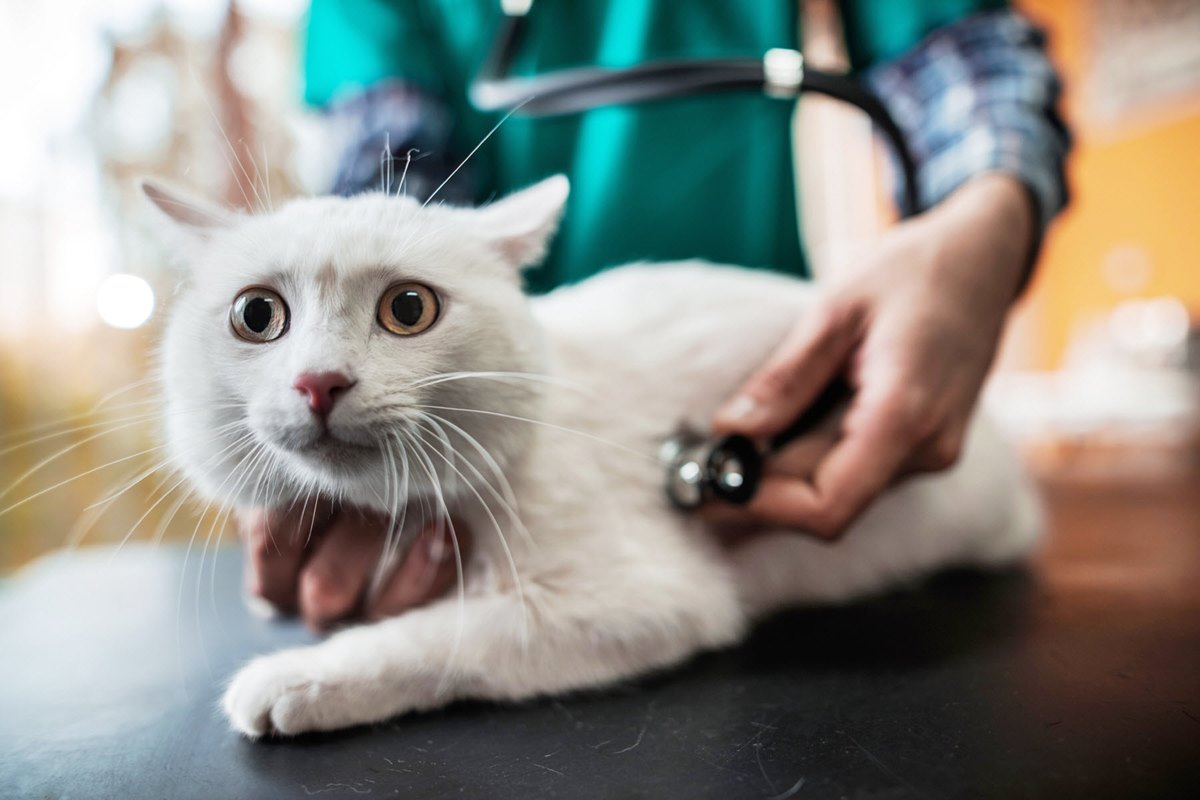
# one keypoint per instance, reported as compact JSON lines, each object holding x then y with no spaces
{"x":537,"y":422}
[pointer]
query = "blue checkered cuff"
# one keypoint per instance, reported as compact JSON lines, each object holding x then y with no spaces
{"x":980,"y":96}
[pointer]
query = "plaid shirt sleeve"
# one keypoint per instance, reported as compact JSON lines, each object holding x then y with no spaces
{"x":980,"y":96}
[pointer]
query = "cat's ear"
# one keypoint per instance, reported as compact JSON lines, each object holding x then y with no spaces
{"x":195,"y":217}
{"x":520,"y":225}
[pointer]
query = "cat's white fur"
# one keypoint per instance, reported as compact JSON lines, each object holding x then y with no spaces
{"x":600,"y":579}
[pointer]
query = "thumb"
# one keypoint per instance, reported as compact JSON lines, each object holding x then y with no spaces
{"x":804,"y":364}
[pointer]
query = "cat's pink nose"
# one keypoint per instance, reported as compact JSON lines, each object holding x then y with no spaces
{"x":322,"y":389}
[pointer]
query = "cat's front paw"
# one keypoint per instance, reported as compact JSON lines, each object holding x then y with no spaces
{"x":284,"y":693}
{"x":301,"y":690}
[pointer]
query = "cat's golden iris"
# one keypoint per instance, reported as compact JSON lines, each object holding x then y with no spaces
{"x":408,"y":308}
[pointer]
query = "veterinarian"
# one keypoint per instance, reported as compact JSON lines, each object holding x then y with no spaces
{"x":913,"y":321}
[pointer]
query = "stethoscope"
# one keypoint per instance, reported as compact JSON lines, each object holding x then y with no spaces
{"x":699,"y":468}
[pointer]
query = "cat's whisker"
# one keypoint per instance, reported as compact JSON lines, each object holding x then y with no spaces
{"x":218,"y":528}
{"x":396,"y":501}
{"x":475,"y":149}
{"x":450,"y":484}
{"x":148,"y":416}
{"x":399,"y":516}
{"x":92,"y":513}
{"x":164,"y":524}
{"x":312,"y":522}
{"x":408,"y":159}
{"x":306,"y":492}
{"x":189,"y":492}
{"x":258,"y":447}
{"x":216,"y":432}
{"x":133,"y":528}
{"x":83,"y":474}
{"x":129,"y":387}
{"x":543,"y":423}
{"x":129,"y":483}
{"x":258,"y":178}
{"x":242,"y":463}
{"x":391,"y":500}
{"x":489,"y":460}
{"x":427,"y":465}
{"x":33,"y":430}
{"x":508,"y":502}
{"x":228,"y":144}
{"x":512,"y":564}
{"x":267,"y":176}
{"x":108,"y":425}
{"x":533,"y":377}
{"x":385,"y":164}
{"x":211,"y":461}
{"x":397,"y":509}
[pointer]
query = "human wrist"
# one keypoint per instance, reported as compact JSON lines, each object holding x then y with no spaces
{"x":986,"y":234}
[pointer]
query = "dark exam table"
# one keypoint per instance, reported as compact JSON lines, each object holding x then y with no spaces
{"x":1077,"y":678}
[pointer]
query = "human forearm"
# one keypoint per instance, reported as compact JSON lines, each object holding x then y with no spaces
{"x":985,"y":233}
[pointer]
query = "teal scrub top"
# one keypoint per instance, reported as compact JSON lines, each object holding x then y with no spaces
{"x":708,"y":177}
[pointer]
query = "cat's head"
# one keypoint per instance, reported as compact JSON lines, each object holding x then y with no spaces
{"x":325,"y":347}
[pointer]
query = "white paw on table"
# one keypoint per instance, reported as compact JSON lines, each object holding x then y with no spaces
{"x":284,"y":693}
{"x":297,"y":691}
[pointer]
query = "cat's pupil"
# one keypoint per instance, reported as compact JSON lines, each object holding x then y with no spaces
{"x":257,"y":314}
{"x":407,"y":308}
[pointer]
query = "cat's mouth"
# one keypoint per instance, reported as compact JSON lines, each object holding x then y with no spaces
{"x":325,"y":447}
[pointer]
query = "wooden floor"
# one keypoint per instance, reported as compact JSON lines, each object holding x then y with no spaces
{"x":1125,"y":542}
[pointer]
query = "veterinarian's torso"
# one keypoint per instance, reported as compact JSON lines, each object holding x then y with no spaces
{"x":709,"y":177}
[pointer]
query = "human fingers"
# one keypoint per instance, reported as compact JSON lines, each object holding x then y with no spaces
{"x":797,"y":461}
{"x":428,"y":569}
{"x":792,"y":377}
{"x":878,"y":439}
{"x":334,"y":578}
{"x":940,"y":451}
{"x":275,"y":542}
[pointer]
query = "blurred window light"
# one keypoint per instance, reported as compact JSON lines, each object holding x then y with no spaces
{"x":258,"y":75}
{"x":139,"y":114}
{"x":281,"y":12}
{"x":198,"y":19}
{"x":126,"y":19}
{"x":125,"y":301}
{"x":1155,"y":330}
{"x":51,"y":65}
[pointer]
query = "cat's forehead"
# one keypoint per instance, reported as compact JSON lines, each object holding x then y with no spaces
{"x":334,"y":241}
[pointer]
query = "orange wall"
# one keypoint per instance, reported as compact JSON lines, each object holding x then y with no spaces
{"x":1136,"y":184}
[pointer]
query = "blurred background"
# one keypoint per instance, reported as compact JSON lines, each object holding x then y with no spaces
{"x":1098,"y":378}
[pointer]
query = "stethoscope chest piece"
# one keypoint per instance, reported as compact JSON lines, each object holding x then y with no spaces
{"x":701,"y":469}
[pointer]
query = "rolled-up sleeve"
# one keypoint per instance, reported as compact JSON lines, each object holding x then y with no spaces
{"x":980,"y":95}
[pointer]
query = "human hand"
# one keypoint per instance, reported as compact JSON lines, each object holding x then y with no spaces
{"x":914,"y":326}
{"x":319,"y":562}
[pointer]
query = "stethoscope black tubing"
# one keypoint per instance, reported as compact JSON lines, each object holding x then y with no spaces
{"x":579,"y":89}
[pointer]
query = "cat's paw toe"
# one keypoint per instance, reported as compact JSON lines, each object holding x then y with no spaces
{"x":271,"y":696}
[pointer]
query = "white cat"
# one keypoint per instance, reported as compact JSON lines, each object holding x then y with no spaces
{"x":438,"y":361}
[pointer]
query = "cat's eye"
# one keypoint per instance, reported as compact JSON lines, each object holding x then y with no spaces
{"x":259,"y":315}
{"x":408,"y":308}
